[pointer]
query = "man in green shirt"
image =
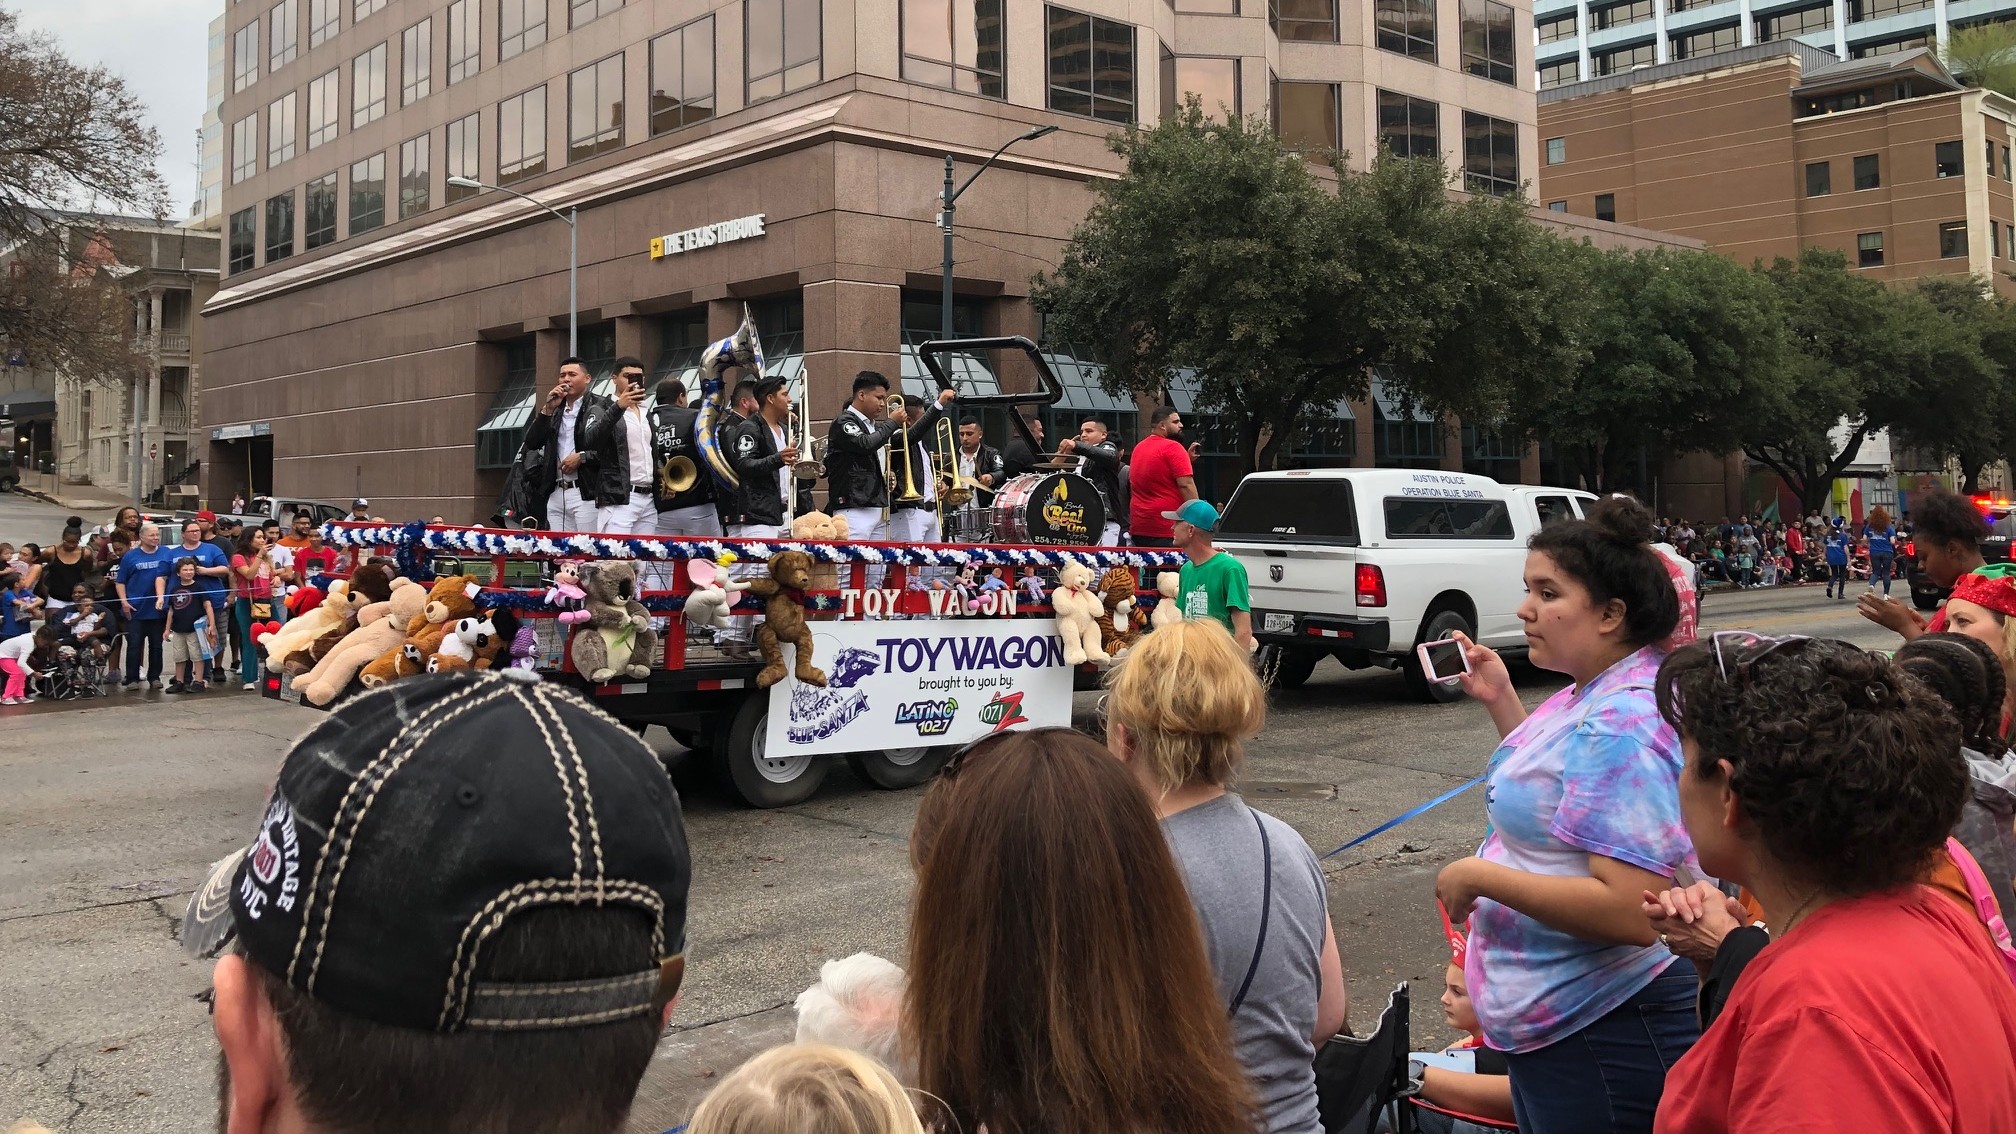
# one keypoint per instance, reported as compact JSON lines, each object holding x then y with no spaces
{"x":1213,"y":584}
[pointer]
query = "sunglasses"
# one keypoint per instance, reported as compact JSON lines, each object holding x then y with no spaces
{"x":981,"y":744}
{"x":1745,"y":648}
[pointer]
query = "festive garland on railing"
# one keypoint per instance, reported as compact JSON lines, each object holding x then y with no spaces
{"x":487,"y":542}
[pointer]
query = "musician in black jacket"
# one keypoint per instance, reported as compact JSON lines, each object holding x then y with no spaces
{"x":691,"y":512}
{"x":573,"y":426}
{"x":759,"y":447}
{"x":856,"y":485}
{"x":741,"y":407}
{"x":979,"y":464}
{"x":1098,"y":462}
{"x":1017,"y":458}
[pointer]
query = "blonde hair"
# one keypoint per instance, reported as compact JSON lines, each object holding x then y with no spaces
{"x":1188,"y":698}
{"x":807,"y":1088}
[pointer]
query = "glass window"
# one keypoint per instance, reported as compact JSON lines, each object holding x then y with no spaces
{"x":244,"y":240}
{"x":284,"y":22}
{"x":1870,"y":50}
{"x":320,"y":212}
{"x":1994,"y":238}
{"x":1214,"y":81}
{"x":1707,"y":42}
{"x":280,"y":126}
{"x":367,"y":194}
{"x":1794,"y":23}
{"x":581,"y":11}
{"x":322,"y":110}
{"x":1868,"y":172}
{"x":1838,"y":102}
{"x":1487,"y":40}
{"x":1408,"y":126}
{"x":1490,"y":155}
{"x":366,"y":8}
{"x":323,"y":21}
{"x":1617,"y":15}
{"x":1989,"y":163}
{"x":1294,"y":511}
{"x":2005,"y":163}
{"x":1305,"y":115}
{"x":1559,"y":74}
{"x":245,"y":57}
{"x":1558,"y":28}
{"x":1606,"y":206}
{"x":1623,"y":59}
{"x":280,"y":226}
{"x":461,"y":158}
{"x":1091,"y":66}
{"x":1952,"y":239}
{"x":595,"y":109}
{"x":1859,"y":10}
{"x":367,"y":87}
{"x":1947,"y":160}
{"x":414,"y":182}
{"x":521,"y":24}
{"x":1557,"y":151}
{"x":781,"y":39}
{"x":416,"y":63}
{"x":682,"y":76}
{"x":244,"y":148}
{"x":1303,"y":21}
{"x":1406,"y":26}
{"x":521,"y":136}
{"x":1557,"y":206}
{"x":1413,"y":518}
{"x":465,"y":40}
{"x":1819,"y":178}
{"x":957,"y":44}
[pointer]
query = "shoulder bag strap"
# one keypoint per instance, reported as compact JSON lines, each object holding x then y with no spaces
{"x":1266,"y":912}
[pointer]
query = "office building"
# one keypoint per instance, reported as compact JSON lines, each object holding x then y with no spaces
{"x":207,"y":211}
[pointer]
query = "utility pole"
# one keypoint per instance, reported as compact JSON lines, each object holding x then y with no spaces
{"x":139,"y":439}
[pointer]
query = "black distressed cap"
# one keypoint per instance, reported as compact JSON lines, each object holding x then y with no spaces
{"x":415,"y":821}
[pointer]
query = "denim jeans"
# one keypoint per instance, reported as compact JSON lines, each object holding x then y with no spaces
{"x":250,"y":657}
{"x":1837,"y":578}
{"x":148,"y":631}
{"x":1880,"y":569}
{"x":1606,"y":1078}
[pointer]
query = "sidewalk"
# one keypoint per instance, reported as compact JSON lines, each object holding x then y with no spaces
{"x":82,"y":498}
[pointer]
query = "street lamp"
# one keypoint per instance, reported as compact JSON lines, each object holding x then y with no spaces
{"x":573,"y":252}
{"x":949,"y":201}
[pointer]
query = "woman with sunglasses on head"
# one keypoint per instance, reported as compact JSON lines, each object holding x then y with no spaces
{"x":1179,"y":707}
{"x":1824,"y":780}
{"x":1058,"y":983}
{"x":1566,"y":975}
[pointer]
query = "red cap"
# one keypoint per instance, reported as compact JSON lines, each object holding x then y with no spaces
{"x":207,"y":516}
{"x":1995,"y":590}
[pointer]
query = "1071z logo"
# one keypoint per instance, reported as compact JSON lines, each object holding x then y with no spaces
{"x":932,"y":718}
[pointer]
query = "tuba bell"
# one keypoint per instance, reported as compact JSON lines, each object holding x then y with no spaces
{"x":677,"y":475}
{"x":744,"y":350}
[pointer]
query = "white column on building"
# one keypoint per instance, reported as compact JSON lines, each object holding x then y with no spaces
{"x":1660,"y":51}
{"x":1746,"y":24}
{"x":1941,"y":30}
{"x":154,"y":299}
{"x":1582,"y":39}
{"x":1840,"y":29}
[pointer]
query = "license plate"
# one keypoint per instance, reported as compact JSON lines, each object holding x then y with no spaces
{"x":1277,"y":623}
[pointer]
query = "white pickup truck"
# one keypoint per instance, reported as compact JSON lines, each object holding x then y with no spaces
{"x":1364,"y":564}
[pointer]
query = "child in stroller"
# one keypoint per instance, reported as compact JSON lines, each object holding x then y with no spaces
{"x":21,"y":657}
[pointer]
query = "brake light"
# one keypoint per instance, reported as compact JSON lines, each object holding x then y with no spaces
{"x":1371,"y":585}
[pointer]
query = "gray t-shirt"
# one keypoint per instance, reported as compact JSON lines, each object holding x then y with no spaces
{"x":1218,"y":847}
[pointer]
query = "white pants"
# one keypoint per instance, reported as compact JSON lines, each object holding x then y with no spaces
{"x":741,"y":629}
{"x":698,"y":520}
{"x":569,"y":511}
{"x":917,"y":525}
{"x":865,"y":523}
{"x":637,"y":515}
{"x":1109,"y":536}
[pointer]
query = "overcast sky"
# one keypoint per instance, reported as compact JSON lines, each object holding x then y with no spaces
{"x":160,"y":48}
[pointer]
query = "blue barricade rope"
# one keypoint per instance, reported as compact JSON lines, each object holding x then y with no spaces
{"x":1389,"y":824}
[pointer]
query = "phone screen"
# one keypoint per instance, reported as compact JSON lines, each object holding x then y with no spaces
{"x":1445,"y":659}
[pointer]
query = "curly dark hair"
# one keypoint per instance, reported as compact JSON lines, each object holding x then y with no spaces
{"x":1967,"y":675}
{"x":1943,"y":516}
{"x":1848,"y":768}
{"x":1611,"y":555}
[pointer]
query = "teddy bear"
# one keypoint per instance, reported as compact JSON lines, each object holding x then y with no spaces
{"x":825,"y":576}
{"x":616,"y":639}
{"x":450,"y":599}
{"x":374,"y":583}
{"x":1078,"y":608}
{"x":784,"y":619}
{"x":714,"y":591}
{"x":1116,"y":624}
{"x":333,"y":611}
{"x":473,"y":644}
{"x":381,"y":626}
{"x":1166,"y":611}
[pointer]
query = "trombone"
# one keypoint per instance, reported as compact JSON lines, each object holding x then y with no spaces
{"x":909,"y":495}
{"x":959,"y":491}
{"x":809,"y":466}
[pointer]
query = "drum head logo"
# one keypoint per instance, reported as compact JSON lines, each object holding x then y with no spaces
{"x":1064,"y":516}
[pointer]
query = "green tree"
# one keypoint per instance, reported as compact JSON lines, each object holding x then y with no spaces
{"x":1952,"y":403}
{"x":1984,"y":55}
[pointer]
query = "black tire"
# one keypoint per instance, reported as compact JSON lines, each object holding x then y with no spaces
{"x":1440,"y":625}
{"x":1288,"y":667}
{"x":899,"y":768}
{"x":757,"y":782}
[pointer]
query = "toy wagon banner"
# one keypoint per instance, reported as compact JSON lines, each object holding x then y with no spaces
{"x":921,"y":682}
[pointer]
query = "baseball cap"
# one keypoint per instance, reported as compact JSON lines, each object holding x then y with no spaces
{"x":207,"y":516}
{"x":409,"y":826}
{"x":360,"y":502}
{"x":1196,"y":513}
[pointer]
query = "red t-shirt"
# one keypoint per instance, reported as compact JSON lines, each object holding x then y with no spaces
{"x":1151,"y":476}
{"x":314,"y":561}
{"x":1888,"y":1012}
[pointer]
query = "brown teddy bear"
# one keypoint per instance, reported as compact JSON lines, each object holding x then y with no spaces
{"x":1116,"y":626}
{"x":373,"y":584}
{"x":617,"y":639}
{"x":825,"y":576}
{"x":784,"y":619}
{"x":380,"y":627}
{"x":449,"y":600}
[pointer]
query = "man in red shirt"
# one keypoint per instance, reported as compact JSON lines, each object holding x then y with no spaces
{"x":1160,"y":479}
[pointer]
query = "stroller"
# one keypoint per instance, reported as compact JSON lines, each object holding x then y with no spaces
{"x":73,"y":674}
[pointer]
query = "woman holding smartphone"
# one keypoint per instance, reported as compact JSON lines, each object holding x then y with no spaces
{"x":1565,"y":972}
{"x":253,"y":571}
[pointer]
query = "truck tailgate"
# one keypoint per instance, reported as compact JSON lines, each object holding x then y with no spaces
{"x":1303,"y":592}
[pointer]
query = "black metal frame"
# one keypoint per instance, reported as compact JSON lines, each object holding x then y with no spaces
{"x":1050,"y":395}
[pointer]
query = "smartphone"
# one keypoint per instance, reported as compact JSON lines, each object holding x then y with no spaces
{"x":1443,"y":661}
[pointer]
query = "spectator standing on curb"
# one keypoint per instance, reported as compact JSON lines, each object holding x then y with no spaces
{"x":142,"y":582}
{"x":66,"y":566}
{"x":223,"y":535}
{"x":213,"y":573}
{"x":256,"y":602}
{"x":1160,"y":480}
{"x":192,"y":621}
{"x":1211,"y":583}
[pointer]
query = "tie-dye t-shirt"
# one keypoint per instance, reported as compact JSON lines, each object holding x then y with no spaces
{"x":1593,"y":770}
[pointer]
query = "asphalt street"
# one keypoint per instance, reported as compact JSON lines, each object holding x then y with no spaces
{"x":111,"y":811}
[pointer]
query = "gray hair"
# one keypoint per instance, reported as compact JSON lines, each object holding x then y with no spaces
{"x":858,"y":1005}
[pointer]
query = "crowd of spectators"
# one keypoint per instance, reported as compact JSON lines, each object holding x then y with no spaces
{"x":1747,"y":553}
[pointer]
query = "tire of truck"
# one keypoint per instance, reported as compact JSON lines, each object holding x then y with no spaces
{"x":1287,"y":667}
{"x":755,"y":779}
{"x":899,"y":768}
{"x":1440,"y":626}
{"x":1924,"y":600}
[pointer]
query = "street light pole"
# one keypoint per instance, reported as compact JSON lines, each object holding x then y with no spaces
{"x":948,"y":202}
{"x":570,"y":219}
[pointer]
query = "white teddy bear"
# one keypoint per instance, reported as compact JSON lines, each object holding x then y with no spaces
{"x":1078,"y":609}
{"x":1168,"y":610}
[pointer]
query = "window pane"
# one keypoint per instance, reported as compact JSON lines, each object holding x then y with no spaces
{"x":245,"y":57}
{"x":367,"y":194}
{"x":416,"y":62}
{"x":1706,"y":42}
{"x":323,"y":21}
{"x":1623,"y":59}
{"x":1487,"y":39}
{"x":322,"y":110}
{"x":414,"y":180}
{"x":280,"y":130}
{"x":366,"y":8}
{"x":1558,"y":74}
{"x":582,"y":11}
{"x":1091,"y":66}
{"x":1308,"y":21}
{"x":1868,"y":172}
{"x":461,"y":158}
{"x":280,"y":226}
{"x":1307,"y":115}
{"x":367,"y":87}
{"x":1819,"y":180}
{"x":320,"y":213}
{"x":1606,"y":207}
{"x":1557,"y":151}
{"x":1953,"y":239}
{"x":244,"y":240}
{"x":465,"y":43}
{"x":1408,"y":126}
{"x":286,"y":35}
{"x":682,"y":76}
{"x":1947,"y":161}
{"x":1214,"y":81}
{"x":782,"y":45}
{"x":244,"y":148}
{"x":1406,"y":26}
{"x":521,"y":136}
{"x":521,"y":25}
{"x":1490,"y":155}
{"x":956,"y":44}
{"x":595,"y":109}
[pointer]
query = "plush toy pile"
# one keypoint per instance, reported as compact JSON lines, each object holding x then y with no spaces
{"x":381,"y":626}
{"x":451,"y":599}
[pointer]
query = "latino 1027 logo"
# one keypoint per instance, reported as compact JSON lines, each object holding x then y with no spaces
{"x":932,"y":718}
{"x":1003,"y":711}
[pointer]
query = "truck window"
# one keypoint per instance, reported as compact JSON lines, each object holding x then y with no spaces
{"x":1294,"y":510}
{"x":1413,"y":517}
{"x":1553,"y":509}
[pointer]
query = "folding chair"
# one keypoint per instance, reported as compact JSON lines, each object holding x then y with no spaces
{"x":1358,"y":1078}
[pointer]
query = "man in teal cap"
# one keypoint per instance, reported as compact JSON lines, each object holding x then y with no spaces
{"x":1213,"y":583}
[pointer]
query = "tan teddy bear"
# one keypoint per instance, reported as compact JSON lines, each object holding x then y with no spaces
{"x":451,"y":599}
{"x":380,"y":627}
{"x":1116,"y":619}
{"x":1168,"y":610}
{"x":1078,"y":608}
{"x":825,"y":576}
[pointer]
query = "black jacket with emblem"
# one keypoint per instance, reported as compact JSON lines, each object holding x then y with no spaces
{"x":727,"y":501}
{"x":1101,"y":466}
{"x":753,"y":450}
{"x":986,"y":462}
{"x":854,"y":457}
{"x":672,"y":436}
{"x":604,"y":474}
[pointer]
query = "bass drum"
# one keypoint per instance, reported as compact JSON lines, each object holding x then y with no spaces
{"x":1056,"y":509}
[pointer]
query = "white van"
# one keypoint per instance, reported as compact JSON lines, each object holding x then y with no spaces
{"x":1365,"y":564}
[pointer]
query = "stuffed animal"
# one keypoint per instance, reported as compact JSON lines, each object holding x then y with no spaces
{"x":332,"y":611}
{"x":566,"y":593}
{"x":825,"y":576}
{"x":967,"y":587}
{"x":380,"y":627}
{"x":784,"y":619}
{"x":616,"y":639}
{"x":473,"y":644}
{"x":1078,"y":608}
{"x":373,"y":583}
{"x":1116,"y":624}
{"x":449,"y":600}
{"x":521,"y":643}
{"x":1168,"y":610}
{"x":714,"y":591}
